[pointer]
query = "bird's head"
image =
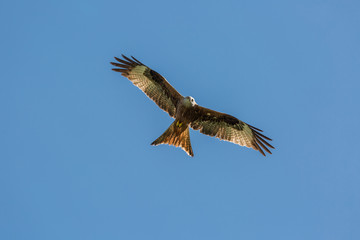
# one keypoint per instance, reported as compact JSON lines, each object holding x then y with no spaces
{"x":190,"y":101}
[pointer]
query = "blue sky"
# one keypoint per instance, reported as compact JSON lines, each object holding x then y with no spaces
{"x":76,"y":160}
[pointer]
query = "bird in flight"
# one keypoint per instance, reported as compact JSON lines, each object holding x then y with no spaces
{"x":187,"y":113}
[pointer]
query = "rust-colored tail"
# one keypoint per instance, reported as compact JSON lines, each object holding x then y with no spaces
{"x":177,"y":135}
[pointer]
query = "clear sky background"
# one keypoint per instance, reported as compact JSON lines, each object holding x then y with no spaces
{"x":76,"y":160}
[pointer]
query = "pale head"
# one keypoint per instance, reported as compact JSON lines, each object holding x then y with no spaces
{"x":189,"y":101}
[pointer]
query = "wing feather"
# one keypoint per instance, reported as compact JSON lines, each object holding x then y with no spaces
{"x":150,"y":82}
{"x":229,"y":128}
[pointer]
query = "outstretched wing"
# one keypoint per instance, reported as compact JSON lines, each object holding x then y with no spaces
{"x":229,"y":128}
{"x":150,"y":82}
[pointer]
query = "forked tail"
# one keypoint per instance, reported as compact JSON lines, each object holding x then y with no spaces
{"x":177,"y":135}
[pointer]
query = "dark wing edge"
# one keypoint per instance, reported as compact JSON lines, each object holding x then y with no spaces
{"x":259,"y":140}
{"x":150,"y":82}
{"x":228,"y":128}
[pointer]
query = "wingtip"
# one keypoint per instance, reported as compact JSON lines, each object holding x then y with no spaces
{"x":137,"y":60}
{"x":123,"y":71}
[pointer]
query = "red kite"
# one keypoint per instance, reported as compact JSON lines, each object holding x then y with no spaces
{"x":187,"y":113}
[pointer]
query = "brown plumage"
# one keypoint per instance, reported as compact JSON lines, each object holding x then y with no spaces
{"x":228,"y":128}
{"x":177,"y":136}
{"x":150,"y":82}
{"x":187,"y":113}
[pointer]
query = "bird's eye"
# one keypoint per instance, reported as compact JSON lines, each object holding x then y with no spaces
{"x":192,"y":99}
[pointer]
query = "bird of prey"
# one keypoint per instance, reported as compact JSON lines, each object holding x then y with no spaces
{"x":187,"y":113}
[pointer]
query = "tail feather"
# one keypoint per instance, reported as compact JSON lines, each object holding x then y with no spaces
{"x":176,"y":136}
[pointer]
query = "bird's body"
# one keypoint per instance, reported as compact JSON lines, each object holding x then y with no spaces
{"x":187,"y":113}
{"x":178,"y":132}
{"x":184,"y":110}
